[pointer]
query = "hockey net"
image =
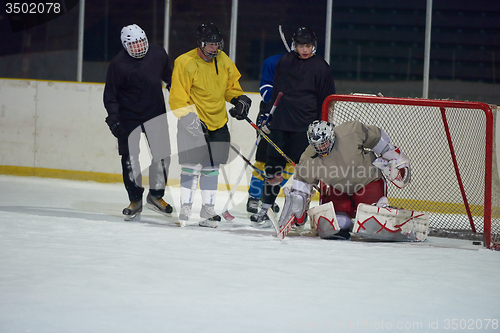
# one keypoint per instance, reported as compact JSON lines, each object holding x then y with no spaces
{"x":451,"y":146}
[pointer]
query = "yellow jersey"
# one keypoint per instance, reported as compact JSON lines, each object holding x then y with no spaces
{"x":204,"y":87}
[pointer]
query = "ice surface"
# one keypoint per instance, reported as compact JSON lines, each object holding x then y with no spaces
{"x":70,"y":263}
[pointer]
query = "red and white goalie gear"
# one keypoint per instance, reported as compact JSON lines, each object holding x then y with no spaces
{"x":326,"y":224}
{"x":323,"y":221}
{"x":390,"y":224}
{"x":294,"y":210}
{"x":392,"y":161}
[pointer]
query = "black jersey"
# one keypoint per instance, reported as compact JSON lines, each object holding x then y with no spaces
{"x":305,"y":84}
{"x":133,"y":92}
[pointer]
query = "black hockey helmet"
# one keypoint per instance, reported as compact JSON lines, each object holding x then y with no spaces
{"x":209,"y":33}
{"x":304,"y":35}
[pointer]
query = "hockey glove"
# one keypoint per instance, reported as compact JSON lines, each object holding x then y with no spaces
{"x":117,"y":130}
{"x":264,"y":122}
{"x":241,"y":107}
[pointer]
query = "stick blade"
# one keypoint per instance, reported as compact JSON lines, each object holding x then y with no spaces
{"x":227,"y":216}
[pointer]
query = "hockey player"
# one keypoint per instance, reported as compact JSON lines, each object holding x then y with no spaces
{"x":135,"y":103}
{"x":344,"y":158}
{"x":203,"y":80}
{"x":257,"y":180}
{"x":305,"y":80}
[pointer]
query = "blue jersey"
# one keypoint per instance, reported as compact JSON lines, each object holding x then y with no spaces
{"x":266,"y":81}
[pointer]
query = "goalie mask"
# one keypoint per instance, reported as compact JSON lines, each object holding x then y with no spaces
{"x":134,"y":40}
{"x":304,"y":35}
{"x":209,"y":40}
{"x":321,"y":136}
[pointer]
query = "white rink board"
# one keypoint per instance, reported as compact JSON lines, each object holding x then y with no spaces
{"x":60,"y":125}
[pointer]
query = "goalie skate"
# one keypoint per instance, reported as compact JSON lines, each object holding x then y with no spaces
{"x":390,"y":224}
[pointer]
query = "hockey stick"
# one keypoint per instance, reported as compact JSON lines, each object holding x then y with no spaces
{"x":225,"y":213}
{"x":224,"y":174}
{"x":247,"y":161}
{"x":261,"y":133}
{"x":283,"y":38}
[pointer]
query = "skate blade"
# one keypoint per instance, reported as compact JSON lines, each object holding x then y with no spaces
{"x":262,"y":225}
{"x":208,"y":224}
{"x":135,"y":217}
{"x":154,"y":208}
{"x":181,"y":224}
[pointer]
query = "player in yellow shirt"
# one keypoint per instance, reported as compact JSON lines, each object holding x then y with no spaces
{"x":203,"y":80}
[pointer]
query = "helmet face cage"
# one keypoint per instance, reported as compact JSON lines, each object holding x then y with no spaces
{"x":209,"y":35}
{"x":134,"y":40}
{"x":304,"y":35}
{"x":321,"y":136}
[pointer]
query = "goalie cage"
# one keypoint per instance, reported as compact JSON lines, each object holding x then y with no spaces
{"x":452,"y":152}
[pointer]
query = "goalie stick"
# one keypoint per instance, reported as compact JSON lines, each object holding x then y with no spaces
{"x":225,"y":212}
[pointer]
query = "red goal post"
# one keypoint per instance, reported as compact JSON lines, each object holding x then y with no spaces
{"x":452,"y":152}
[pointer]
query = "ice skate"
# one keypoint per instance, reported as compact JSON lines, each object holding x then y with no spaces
{"x":275,"y":208}
{"x":261,"y":220}
{"x":133,"y":211}
{"x":184,"y":214}
{"x":252,"y":205}
{"x":159,"y":205}
{"x":209,"y":217}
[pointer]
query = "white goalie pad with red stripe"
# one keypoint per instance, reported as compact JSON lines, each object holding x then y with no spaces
{"x":323,"y":219}
{"x":390,"y":224}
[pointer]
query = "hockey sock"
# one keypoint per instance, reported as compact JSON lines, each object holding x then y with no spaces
{"x":208,"y":184}
{"x":189,"y":183}
{"x":255,"y":190}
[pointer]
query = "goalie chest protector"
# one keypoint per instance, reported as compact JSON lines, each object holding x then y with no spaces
{"x":390,"y":224}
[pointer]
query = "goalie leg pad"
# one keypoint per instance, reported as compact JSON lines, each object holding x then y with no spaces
{"x":328,"y":225}
{"x":391,"y":224}
{"x":295,"y":206}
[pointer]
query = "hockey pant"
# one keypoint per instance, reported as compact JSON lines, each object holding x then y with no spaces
{"x":157,"y":138}
{"x":345,"y":203}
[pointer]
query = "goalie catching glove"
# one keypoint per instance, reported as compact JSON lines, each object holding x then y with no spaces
{"x":392,"y":161}
{"x":241,"y":107}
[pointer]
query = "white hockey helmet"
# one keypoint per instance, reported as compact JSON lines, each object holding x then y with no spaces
{"x":134,"y":40}
{"x":321,"y":136}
